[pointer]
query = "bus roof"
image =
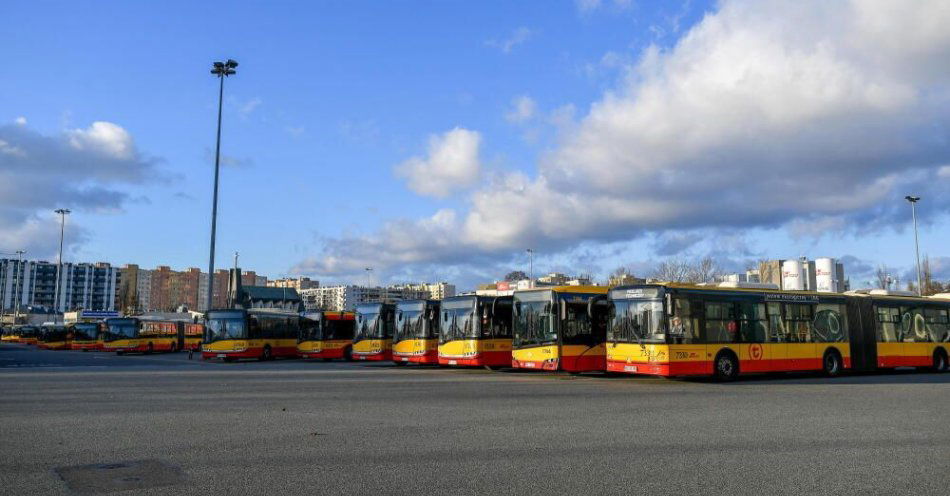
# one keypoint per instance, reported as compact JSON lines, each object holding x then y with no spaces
{"x":567,"y":289}
{"x":695,"y":287}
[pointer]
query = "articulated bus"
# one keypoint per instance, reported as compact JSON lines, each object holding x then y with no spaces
{"x":53,"y":337}
{"x":416,"y":335}
{"x":28,"y":334}
{"x":161,"y":335}
{"x":85,"y":336}
{"x":327,"y":335}
{"x":560,"y":328}
{"x":373,"y":337}
{"x":681,"y":330}
{"x":476,"y":331}
{"x":193,"y":334}
{"x":121,"y":335}
{"x":263,"y":334}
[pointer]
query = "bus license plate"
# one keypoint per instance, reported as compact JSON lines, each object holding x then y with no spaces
{"x":453,"y":362}
{"x":222,"y":355}
{"x":529,"y":364}
{"x":405,"y":359}
{"x":630,"y":368}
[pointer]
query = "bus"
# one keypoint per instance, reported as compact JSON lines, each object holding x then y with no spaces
{"x":416,"y":334}
{"x":53,"y":337}
{"x":373,"y":337}
{"x":11,"y":334}
{"x":121,"y":335}
{"x":560,"y":328}
{"x":328,"y":335}
{"x":264,"y":334}
{"x":162,"y":335}
{"x":475,"y":331}
{"x":28,"y":334}
{"x":684,"y":330}
{"x":194,"y":333}
{"x":85,"y":336}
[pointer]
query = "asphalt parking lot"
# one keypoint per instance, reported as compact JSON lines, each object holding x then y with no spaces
{"x":297,"y":427}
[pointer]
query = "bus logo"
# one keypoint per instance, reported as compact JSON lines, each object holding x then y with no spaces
{"x":755,"y":351}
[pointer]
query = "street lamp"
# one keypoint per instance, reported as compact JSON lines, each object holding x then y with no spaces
{"x":913,"y":210}
{"x":63,"y":212}
{"x":530,"y":264}
{"x":221,"y":70}
{"x":16,"y":282}
{"x":369,"y":277}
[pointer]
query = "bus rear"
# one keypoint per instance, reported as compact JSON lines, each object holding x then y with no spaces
{"x":373,"y":337}
{"x":53,"y":337}
{"x":327,"y":336}
{"x":193,"y":334}
{"x":261,"y":334}
{"x":560,"y":328}
{"x":475,"y":331}
{"x":121,"y":335}
{"x":416,"y":335}
{"x":85,"y":336}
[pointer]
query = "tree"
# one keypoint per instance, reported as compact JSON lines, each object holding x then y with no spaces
{"x":672,"y":270}
{"x":515,"y":275}
{"x":705,"y":269}
{"x":882,"y":277}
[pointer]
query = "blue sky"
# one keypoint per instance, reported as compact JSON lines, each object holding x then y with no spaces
{"x":440,"y":139}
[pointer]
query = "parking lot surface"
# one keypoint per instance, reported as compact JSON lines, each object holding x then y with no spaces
{"x":299,"y":427}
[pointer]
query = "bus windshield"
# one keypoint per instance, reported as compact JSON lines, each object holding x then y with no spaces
{"x":121,"y":329}
{"x":637,"y":321}
{"x":85,"y":331}
{"x":458,"y":320}
{"x":410,"y":321}
{"x":534,"y":320}
{"x":225,"y":325}
{"x":367,"y":323}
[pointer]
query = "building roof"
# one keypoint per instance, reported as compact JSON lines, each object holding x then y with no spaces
{"x":266,"y":293}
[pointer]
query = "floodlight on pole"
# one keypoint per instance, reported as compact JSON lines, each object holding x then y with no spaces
{"x":220,"y":70}
{"x":913,"y":210}
{"x":530,"y":265}
{"x":63,"y":212}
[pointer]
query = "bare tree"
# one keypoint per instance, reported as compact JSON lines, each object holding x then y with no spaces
{"x":882,"y":277}
{"x":705,"y":269}
{"x":672,"y":270}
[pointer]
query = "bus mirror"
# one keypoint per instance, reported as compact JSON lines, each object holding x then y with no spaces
{"x":516,"y":309}
{"x":563,"y":309}
{"x":591,"y":303}
{"x":669,"y":304}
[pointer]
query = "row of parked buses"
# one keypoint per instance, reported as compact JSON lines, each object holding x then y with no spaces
{"x":654,"y":329}
{"x":121,"y":335}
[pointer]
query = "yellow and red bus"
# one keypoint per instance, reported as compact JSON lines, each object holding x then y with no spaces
{"x":53,"y":337}
{"x":121,"y":335}
{"x":476,"y":331}
{"x":27,"y":334}
{"x":263,"y":334}
{"x":161,"y":335}
{"x":560,"y":328}
{"x":416,"y":334}
{"x":373,"y":337}
{"x":327,"y":335}
{"x":85,"y":336}
{"x":725,"y":330}
{"x":193,"y":334}
{"x":10,"y":335}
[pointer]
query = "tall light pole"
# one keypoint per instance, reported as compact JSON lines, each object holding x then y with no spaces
{"x":19,"y":278}
{"x":369,"y":277}
{"x":913,"y":210}
{"x":63,"y":212}
{"x":530,"y":264}
{"x":221,"y":70}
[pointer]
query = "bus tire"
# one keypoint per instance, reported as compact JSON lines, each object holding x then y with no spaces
{"x":266,"y":354}
{"x":940,"y":361}
{"x":726,"y":366}
{"x":119,"y":353}
{"x":831,"y":363}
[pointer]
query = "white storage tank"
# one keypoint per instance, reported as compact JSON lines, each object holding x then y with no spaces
{"x":792,"y":277}
{"x":826,"y":277}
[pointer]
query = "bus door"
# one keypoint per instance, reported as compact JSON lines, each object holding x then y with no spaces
{"x":777,"y":347}
{"x":179,"y":336}
{"x":862,"y":333}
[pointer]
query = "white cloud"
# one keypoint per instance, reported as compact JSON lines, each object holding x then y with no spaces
{"x":765,"y":114}
{"x":104,"y":137}
{"x":452,"y":163}
{"x":585,"y":6}
{"x":518,"y":36}
{"x":249,"y":106}
{"x":523,"y":109}
{"x":20,"y":121}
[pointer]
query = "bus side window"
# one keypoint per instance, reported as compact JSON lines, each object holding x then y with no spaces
{"x":888,"y":318}
{"x":254,"y":328}
{"x":913,"y":325}
{"x":937,"y":324}
{"x":776,"y":327}
{"x":684,"y":325}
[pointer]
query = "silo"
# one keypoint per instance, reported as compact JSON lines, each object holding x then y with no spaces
{"x":826,"y":276}
{"x":792,"y":276}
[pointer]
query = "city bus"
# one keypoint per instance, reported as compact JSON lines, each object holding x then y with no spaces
{"x":52,"y":337}
{"x":683,"y":330}
{"x":28,"y":334}
{"x":373,"y":337}
{"x":194,"y":333}
{"x":264,"y":334}
{"x":560,"y":328}
{"x":161,"y":335}
{"x":416,"y":334}
{"x":121,"y":335}
{"x":85,"y":336}
{"x":11,"y":334}
{"x":328,"y":335}
{"x":476,"y":331}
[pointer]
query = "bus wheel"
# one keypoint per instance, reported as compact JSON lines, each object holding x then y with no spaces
{"x":940,"y":360}
{"x":266,"y":355}
{"x":119,"y":353}
{"x":831,"y":363}
{"x":727,"y":366}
